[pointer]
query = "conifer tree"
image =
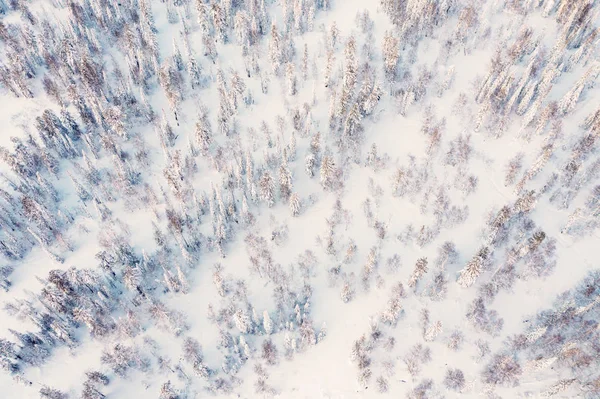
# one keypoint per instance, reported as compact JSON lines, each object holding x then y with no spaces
{"x":267,"y":323}
{"x":285,"y":181}
{"x":418,"y":272}
{"x":267,"y":189}
{"x":473,"y":269}
{"x":327,"y":172}
{"x":295,"y":204}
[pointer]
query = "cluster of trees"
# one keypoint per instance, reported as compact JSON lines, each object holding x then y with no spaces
{"x":560,"y":341}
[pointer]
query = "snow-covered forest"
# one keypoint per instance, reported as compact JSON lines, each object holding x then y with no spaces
{"x":299,"y":199}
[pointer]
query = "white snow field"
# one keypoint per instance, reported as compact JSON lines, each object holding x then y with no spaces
{"x":299,"y":199}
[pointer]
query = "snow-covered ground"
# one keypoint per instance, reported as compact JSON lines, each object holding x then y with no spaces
{"x":323,"y":201}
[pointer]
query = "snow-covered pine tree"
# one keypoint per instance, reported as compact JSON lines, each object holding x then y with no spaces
{"x":267,"y":188}
{"x":292,"y":81}
{"x":473,"y":269}
{"x":391,"y":56}
{"x":295,"y":205}
{"x":285,"y":181}
{"x":275,"y":50}
{"x":267,"y":323}
{"x":327,"y":172}
{"x":418,"y":272}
